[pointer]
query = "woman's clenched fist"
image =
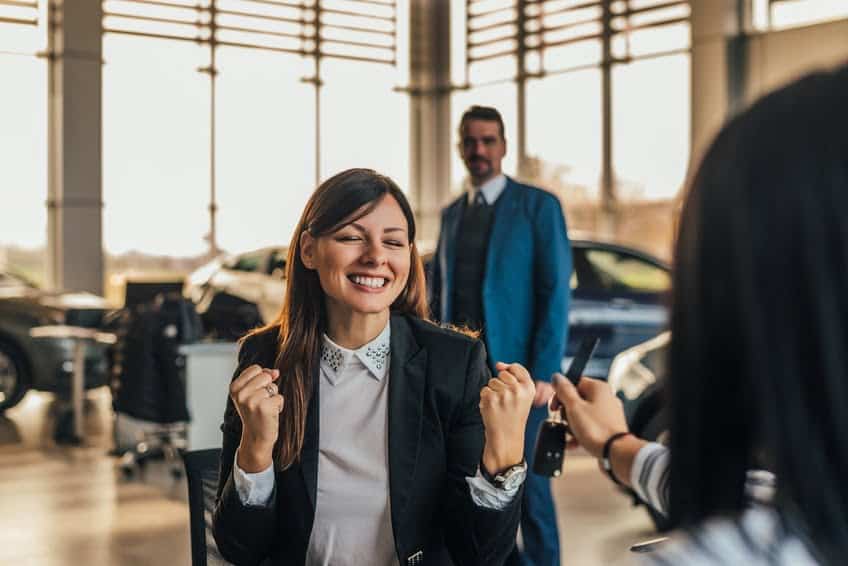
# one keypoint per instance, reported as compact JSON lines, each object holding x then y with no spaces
{"x":259,"y":404}
{"x":505,"y":402}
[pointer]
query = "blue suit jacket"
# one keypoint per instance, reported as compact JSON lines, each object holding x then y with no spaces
{"x":526,"y":282}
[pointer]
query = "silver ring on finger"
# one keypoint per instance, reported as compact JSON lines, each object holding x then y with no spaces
{"x":270,"y":389}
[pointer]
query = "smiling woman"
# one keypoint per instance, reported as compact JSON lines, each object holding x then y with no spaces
{"x":363,"y":267}
{"x":419,"y":448}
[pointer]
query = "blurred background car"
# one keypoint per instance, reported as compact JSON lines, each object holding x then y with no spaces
{"x":44,"y":364}
{"x":638,"y":375}
{"x":235,"y":293}
{"x":618,"y":294}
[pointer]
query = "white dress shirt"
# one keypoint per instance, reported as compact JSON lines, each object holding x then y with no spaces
{"x":352,"y":522}
{"x":490,"y":190}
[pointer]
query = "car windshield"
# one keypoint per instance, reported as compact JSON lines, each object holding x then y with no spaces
{"x":247,"y":262}
{"x":609,"y":270}
{"x":11,"y":279}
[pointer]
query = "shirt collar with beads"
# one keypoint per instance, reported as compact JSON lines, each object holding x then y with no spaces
{"x":336,"y":361}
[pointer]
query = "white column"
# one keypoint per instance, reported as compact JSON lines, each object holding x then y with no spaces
{"x":712,"y":20}
{"x":74,"y":240}
{"x":431,"y":132}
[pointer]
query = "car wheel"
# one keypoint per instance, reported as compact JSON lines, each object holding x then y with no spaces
{"x":14,"y":379}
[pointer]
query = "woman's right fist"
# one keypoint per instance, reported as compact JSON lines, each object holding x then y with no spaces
{"x":259,"y":404}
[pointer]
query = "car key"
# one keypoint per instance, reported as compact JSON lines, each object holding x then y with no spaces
{"x":549,"y":452}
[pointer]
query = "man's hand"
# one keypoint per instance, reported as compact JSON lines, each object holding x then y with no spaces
{"x":592,"y":410}
{"x":544,"y":392}
{"x":259,"y":404}
{"x":504,"y":405}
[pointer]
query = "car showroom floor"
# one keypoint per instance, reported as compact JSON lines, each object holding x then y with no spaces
{"x":71,"y":506}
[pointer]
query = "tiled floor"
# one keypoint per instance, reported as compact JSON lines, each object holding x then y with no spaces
{"x":71,"y":506}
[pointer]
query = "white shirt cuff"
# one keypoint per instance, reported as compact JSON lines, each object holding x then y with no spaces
{"x":485,"y":495}
{"x":257,"y":489}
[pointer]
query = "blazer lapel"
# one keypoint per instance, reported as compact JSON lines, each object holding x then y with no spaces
{"x":506,"y":208}
{"x":407,"y":381}
{"x":309,"y":453}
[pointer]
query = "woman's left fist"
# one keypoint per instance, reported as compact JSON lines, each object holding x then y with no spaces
{"x":505,"y":402}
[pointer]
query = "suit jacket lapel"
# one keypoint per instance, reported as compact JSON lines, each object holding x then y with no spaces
{"x":309,"y":454}
{"x":407,"y":381}
{"x":506,"y":207}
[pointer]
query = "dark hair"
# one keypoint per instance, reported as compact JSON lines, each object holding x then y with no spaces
{"x":759,"y":347}
{"x":340,"y":200}
{"x":481,"y":113}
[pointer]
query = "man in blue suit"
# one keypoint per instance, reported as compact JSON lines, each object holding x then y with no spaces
{"x":502,"y":266}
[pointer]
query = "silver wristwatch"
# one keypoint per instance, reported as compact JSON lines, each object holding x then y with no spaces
{"x":507,"y":479}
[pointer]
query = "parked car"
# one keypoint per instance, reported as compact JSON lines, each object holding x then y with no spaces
{"x":639,"y":375}
{"x":44,"y":364}
{"x":234,"y":293}
{"x":618,"y":294}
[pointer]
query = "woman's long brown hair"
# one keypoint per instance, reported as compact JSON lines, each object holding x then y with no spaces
{"x":340,"y":200}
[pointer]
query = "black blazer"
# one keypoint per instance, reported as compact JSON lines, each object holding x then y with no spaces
{"x":435,"y":441}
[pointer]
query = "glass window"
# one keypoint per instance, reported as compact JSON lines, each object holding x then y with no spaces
{"x":489,"y":70}
{"x":652,"y":27}
{"x":23,"y":147}
{"x":490,"y":40}
{"x":265,"y":146}
{"x":22,"y":27}
{"x":651,"y":124}
{"x":458,"y":48}
{"x":155,"y":146}
{"x":364,"y":122}
{"x":780,"y":14}
{"x":564,"y":135}
{"x":619,"y":272}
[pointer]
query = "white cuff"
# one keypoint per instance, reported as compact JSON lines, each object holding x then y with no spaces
{"x":257,"y":489}
{"x":485,"y":495}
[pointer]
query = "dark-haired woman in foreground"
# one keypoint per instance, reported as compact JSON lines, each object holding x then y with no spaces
{"x":354,"y":433}
{"x":759,"y":347}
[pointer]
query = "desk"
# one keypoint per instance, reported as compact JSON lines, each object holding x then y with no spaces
{"x":81,"y":337}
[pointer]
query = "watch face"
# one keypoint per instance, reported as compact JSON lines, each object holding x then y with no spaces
{"x":513,"y":477}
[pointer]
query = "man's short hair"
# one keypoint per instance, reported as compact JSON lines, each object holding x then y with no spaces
{"x":482,"y":113}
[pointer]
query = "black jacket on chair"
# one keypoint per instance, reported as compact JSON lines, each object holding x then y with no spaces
{"x":435,"y":441}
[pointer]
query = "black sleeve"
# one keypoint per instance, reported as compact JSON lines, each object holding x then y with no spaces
{"x":474,"y":535}
{"x":244,"y":534}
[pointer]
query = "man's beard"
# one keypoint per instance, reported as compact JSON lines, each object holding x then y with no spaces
{"x":479,"y":172}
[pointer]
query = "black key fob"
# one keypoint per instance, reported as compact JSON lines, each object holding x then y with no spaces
{"x":550,"y":448}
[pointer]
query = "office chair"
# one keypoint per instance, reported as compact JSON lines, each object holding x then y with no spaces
{"x":202,"y":475}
